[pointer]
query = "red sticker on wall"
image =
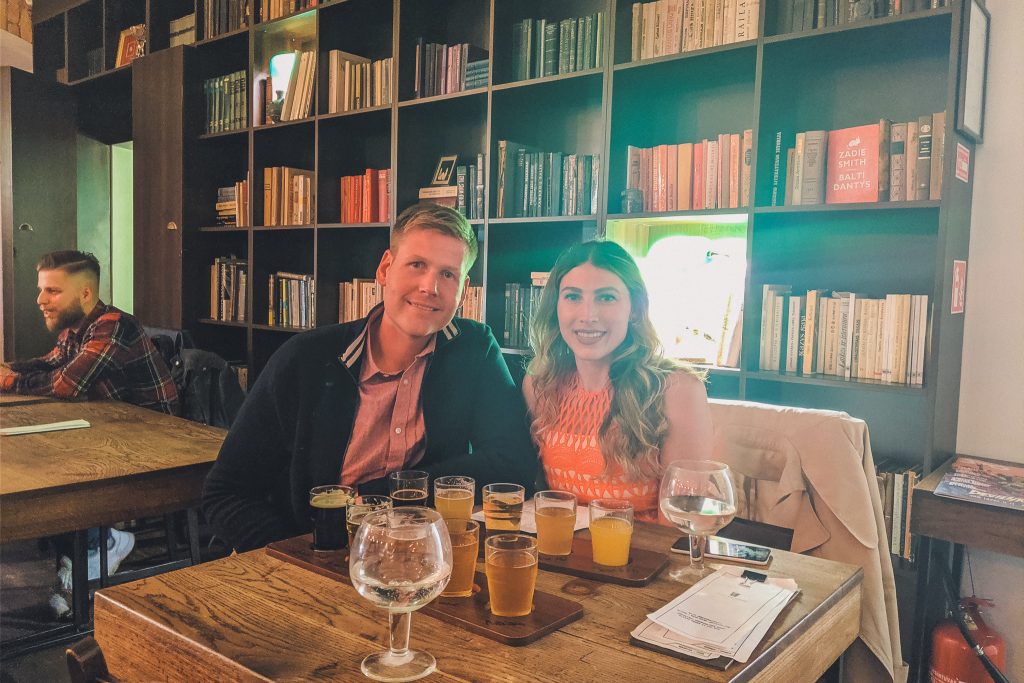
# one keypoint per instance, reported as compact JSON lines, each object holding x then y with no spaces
{"x":959,"y":293}
{"x":963,"y":162}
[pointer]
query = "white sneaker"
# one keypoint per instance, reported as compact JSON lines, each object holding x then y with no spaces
{"x":59,"y":605}
{"x":64,"y":574}
{"x":119,"y":545}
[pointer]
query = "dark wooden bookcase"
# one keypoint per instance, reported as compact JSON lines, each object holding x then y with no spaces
{"x":895,"y":67}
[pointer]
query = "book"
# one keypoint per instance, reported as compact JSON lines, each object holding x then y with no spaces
{"x":988,"y":482}
{"x":853,"y":165}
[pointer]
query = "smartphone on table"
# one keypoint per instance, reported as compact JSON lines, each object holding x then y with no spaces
{"x":728,"y":549}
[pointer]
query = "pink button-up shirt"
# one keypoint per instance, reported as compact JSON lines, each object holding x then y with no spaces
{"x":388,"y":432}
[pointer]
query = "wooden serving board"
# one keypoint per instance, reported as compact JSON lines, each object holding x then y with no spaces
{"x":550,"y":612}
{"x":643,"y":567}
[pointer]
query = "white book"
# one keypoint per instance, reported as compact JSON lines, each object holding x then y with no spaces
{"x":793,"y":335}
{"x":879,"y":361}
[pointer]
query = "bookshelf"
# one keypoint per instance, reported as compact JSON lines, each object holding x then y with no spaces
{"x":897,"y":67}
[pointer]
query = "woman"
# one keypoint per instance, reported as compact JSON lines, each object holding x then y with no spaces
{"x":609,"y":411}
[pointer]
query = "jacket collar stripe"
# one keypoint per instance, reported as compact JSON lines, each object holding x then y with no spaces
{"x":355,"y":349}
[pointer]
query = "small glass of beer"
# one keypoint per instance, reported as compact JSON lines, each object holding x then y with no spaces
{"x":465,"y":535}
{"x":328,"y":505}
{"x":556,"y":521}
{"x":359,"y":508}
{"x":408,"y":487}
{"x":511,"y":566}
{"x":503,"y":506}
{"x":611,"y":528}
{"x":453,"y":497}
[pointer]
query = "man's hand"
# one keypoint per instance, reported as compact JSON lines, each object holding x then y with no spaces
{"x":5,"y":370}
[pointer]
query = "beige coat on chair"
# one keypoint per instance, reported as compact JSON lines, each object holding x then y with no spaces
{"x":812,"y":471}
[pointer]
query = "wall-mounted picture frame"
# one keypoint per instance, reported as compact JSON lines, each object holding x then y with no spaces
{"x":445,"y":166}
{"x":970,"y":108}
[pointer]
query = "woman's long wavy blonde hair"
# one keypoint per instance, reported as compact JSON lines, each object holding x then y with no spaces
{"x":632,"y":432}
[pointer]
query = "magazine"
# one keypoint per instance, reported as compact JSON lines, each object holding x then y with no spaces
{"x":989,"y":482}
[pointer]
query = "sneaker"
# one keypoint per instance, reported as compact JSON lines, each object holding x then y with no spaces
{"x":59,"y":605}
{"x":64,"y":574}
{"x":119,"y":545}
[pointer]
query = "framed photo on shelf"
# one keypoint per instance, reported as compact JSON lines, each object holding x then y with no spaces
{"x":970,"y":106}
{"x":130,"y":45}
{"x":445,"y":166}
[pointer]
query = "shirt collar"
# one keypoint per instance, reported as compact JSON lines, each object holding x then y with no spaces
{"x":370,"y":367}
{"x":99,"y":309}
{"x":352,"y":354}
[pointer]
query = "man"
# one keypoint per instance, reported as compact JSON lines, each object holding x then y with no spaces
{"x":101,"y":353}
{"x":406,"y":387}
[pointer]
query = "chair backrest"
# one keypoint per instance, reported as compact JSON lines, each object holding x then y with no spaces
{"x":207,"y":387}
{"x":86,"y":663}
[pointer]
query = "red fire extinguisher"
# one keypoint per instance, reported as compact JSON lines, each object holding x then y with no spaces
{"x":953,"y":660}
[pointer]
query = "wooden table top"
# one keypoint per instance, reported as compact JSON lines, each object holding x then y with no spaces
{"x":253,"y":617}
{"x":976,"y":525}
{"x":22,"y":399}
{"x":130,"y":462}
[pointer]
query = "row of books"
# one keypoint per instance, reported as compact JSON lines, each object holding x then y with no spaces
{"x":182,"y":30}
{"x":366,"y":198}
{"x":224,"y":16}
{"x":272,"y":9}
{"x":667,"y":27}
{"x":877,"y":162}
{"x":470,"y":188}
{"x":844,"y":334}
{"x":804,"y":15}
{"x":709,"y":174}
{"x":473,"y":306}
{"x":520,"y":302}
{"x":356,"y":298}
{"x":442,"y":69}
{"x":232,"y":207}
{"x":299,"y":90}
{"x":896,"y":485}
{"x":225,"y":102}
{"x":288,"y":196}
{"x":356,"y":82}
{"x":292,"y":300}
{"x":229,"y":283}
{"x":533,"y":183}
{"x":543,"y":47}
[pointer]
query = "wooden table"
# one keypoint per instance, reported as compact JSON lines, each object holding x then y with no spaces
{"x":962,"y":524}
{"x":131,"y":463}
{"x":252,"y":617}
{"x":24,"y":399}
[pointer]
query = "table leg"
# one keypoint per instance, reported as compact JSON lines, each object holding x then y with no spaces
{"x":80,"y":580}
{"x":919,"y":640}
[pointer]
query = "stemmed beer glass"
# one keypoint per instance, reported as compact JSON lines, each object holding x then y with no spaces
{"x":400,"y":560}
{"x":698,"y":497}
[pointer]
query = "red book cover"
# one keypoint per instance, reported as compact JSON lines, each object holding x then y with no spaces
{"x":698,"y":175}
{"x":852,"y":165}
{"x":383,"y":195}
{"x":369,"y":195}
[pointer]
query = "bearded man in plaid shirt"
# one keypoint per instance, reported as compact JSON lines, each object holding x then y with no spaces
{"x":101,"y":353}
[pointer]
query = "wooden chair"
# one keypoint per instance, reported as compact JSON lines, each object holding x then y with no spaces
{"x":86,"y":663}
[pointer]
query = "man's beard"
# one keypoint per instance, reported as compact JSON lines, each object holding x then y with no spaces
{"x":67,"y":317}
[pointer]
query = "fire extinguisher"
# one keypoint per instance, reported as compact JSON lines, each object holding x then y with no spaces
{"x":964,"y":648}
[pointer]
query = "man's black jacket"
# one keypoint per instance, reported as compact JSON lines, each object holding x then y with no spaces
{"x":293,"y":429}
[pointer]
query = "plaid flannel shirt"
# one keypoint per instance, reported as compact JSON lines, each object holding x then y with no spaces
{"x":106,"y":356}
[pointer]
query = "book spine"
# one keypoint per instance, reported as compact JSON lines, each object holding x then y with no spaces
{"x":924,"y":158}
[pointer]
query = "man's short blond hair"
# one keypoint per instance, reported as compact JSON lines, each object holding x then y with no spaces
{"x":430,"y":216}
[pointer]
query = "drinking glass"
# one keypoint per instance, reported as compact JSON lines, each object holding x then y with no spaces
{"x":328,"y":505}
{"x":611,"y":530}
{"x":359,"y":508}
{"x":400,"y":560}
{"x":698,"y":497}
{"x":503,"y":506}
{"x":465,"y":535}
{"x":453,"y":496}
{"x":408,"y":487}
{"x":556,"y":521}
{"x":511,"y":566}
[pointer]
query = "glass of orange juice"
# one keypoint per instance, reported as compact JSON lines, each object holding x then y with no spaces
{"x":453,"y":497}
{"x":611,"y":528}
{"x":556,"y":521}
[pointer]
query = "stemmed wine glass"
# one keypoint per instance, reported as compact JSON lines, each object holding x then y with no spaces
{"x":698,"y":497}
{"x":400,"y":560}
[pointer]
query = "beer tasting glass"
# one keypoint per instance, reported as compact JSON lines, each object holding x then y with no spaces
{"x":611,"y":529}
{"x":359,"y":508}
{"x":400,"y":560}
{"x":453,"y":496}
{"x":503,"y":506}
{"x":408,"y":487}
{"x":510,"y":561}
{"x":465,"y":536}
{"x":556,"y":521}
{"x":328,"y":505}
{"x":698,"y":497}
